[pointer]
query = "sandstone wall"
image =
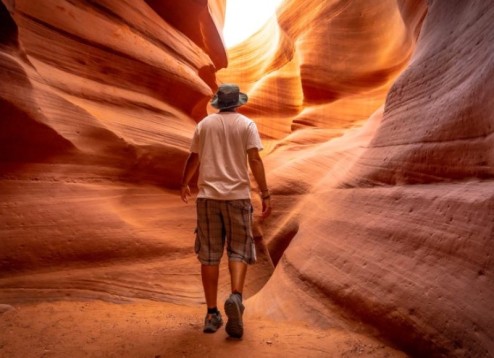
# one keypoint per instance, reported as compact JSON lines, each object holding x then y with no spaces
{"x":329,"y":64}
{"x":377,"y":119}
{"x":396,"y":231}
{"x":96,"y":98}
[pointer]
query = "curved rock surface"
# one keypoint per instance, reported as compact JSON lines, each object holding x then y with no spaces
{"x":97,"y":103}
{"x":378,"y":126}
{"x":395,"y":230}
{"x":329,"y":64}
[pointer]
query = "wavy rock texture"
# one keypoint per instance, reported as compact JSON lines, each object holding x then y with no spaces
{"x":377,"y":118}
{"x":396,"y":231}
{"x":98,"y":101}
{"x":331,"y":75}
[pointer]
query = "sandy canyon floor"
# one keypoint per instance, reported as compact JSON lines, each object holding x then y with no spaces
{"x":153,"y":329}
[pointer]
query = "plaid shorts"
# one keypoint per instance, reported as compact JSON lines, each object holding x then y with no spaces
{"x":224,"y":220}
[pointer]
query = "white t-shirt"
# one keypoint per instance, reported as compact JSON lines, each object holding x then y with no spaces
{"x":221,"y":140}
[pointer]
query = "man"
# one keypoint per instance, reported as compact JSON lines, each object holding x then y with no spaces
{"x":222,"y":145}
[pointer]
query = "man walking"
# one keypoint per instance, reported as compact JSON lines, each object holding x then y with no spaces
{"x":222,"y":145}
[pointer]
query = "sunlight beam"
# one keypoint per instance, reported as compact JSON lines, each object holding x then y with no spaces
{"x":244,"y":17}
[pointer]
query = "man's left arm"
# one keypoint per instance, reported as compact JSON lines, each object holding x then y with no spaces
{"x":257,"y":168}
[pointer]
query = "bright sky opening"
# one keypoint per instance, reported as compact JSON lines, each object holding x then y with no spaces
{"x":243,"y":18}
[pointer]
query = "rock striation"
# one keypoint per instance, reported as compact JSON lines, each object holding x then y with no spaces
{"x":96,"y":97}
{"x":394,"y":229}
{"x":329,"y":64}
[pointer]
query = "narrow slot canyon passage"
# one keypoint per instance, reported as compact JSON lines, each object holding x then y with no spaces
{"x":376,"y":121}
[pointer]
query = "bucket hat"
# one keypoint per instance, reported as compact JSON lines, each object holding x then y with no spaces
{"x":227,"y":96}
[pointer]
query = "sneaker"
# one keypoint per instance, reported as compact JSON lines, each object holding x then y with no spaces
{"x":234,"y":309}
{"x":212,"y":322}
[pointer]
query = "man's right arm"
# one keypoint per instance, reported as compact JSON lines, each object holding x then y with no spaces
{"x":191,"y":166}
{"x":257,"y":167}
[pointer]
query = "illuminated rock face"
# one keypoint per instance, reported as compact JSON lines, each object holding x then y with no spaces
{"x":108,"y":79}
{"x":377,"y":120}
{"x":395,"y":230}
{"x":330,"y":64}
{"x":97,"y":97}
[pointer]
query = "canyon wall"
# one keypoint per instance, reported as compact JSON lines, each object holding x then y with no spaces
{"x":378,"y":127}
{"x":324,"y":64}
{"x":98,"y":100}
{"x":391,"y":225}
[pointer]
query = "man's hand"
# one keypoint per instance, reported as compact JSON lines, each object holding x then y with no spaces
{"x":257,"y":167}
{"x":266,"y":207}
{"x":184,"y":193}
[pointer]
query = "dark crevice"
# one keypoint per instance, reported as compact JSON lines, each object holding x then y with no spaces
{"x":8,"y":28}
{"x":24,"y":139}
{"x":278,"y":244}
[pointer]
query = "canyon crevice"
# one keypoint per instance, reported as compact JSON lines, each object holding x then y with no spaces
{"x":378,"y":125}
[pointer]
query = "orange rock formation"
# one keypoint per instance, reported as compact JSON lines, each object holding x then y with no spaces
{"x":378,"y":124}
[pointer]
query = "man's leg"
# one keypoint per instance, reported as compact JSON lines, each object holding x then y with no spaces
{"x":213,"y":320}
{"x":234,"y":308}
{"x":241,"y":251}
{"x":210,"y":275}
{"x":238,"y":271}
{"x":209,"y":249}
